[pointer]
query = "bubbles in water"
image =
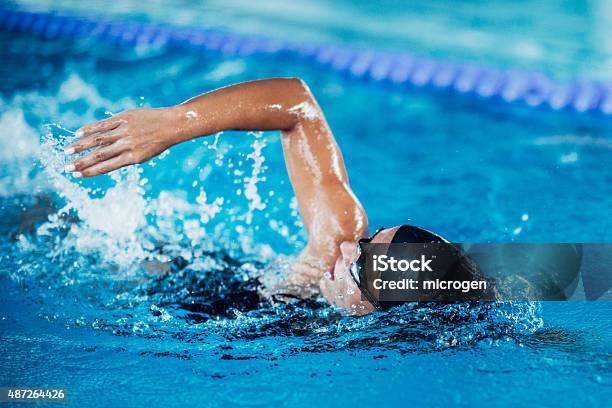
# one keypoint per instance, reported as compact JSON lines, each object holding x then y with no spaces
{"x":251,"y":182}
{"x":109,"y":224}
{"x":123,"y":257}
{"x":18,"y":148}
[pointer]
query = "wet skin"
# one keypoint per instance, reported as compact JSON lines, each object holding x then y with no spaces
{"x":332,"y":215}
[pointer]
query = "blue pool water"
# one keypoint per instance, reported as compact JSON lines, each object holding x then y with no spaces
{"x":83,"y":304}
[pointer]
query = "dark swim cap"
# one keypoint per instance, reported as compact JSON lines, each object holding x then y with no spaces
{"x":409,"y":234}
{"x":459,"y":266}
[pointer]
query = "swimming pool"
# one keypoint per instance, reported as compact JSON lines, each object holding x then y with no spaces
{"x":82,"y":306}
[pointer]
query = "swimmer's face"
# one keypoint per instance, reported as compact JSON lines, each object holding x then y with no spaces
{"x":348,"y":251}
{"x":340,"y":289}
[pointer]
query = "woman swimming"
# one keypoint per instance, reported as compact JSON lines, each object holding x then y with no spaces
{"x":333,"y":217}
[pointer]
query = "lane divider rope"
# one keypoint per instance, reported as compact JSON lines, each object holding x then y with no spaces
{"x":531,"y":89}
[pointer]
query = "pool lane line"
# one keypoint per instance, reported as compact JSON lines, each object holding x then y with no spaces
{"x":532,"y":89}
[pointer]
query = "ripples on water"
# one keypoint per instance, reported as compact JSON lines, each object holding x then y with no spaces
{"x":159,"y":269}
{"x":180,"y":249}
{"x":121,"y":260}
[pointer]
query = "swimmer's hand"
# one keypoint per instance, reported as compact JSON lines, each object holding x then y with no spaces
{"x":342,"y":291}
{"x":128,"y":138}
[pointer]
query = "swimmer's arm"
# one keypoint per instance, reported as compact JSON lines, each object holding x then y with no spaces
{"x":137,"y":135}
{"x":330,"y":211}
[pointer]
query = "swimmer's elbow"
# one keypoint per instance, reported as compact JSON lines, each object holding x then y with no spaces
{"x":302,"y":104}
{"x":298,"y":86}
{"x":296,"y":90}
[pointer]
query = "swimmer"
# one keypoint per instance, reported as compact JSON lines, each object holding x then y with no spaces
{"x":334,"y":219}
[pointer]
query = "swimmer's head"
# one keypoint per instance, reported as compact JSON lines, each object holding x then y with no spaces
{"x":349,"y":251}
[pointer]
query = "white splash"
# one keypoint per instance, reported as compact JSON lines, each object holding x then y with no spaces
{"x":208,"y":210}
{"x":251,"y":182}
{"x":108,"y":224}
{"x":125,"y":224}
{"x":18,"y":147}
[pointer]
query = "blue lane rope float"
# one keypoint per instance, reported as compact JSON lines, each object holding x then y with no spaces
{"x":512,"y":86}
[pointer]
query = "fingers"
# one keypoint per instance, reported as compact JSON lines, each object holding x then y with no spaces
{"x":333,"y":290}
{"x":99,"y":126}
{"x":98,"y":139}
{"x":343,"y":292}
{"x":97,"y":156}
{"x":104,"y":167}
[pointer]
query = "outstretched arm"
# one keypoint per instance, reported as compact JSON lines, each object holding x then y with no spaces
{"x":330,"y":211}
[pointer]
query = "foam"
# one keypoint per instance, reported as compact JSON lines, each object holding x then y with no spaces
{"x":18,"y":148}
